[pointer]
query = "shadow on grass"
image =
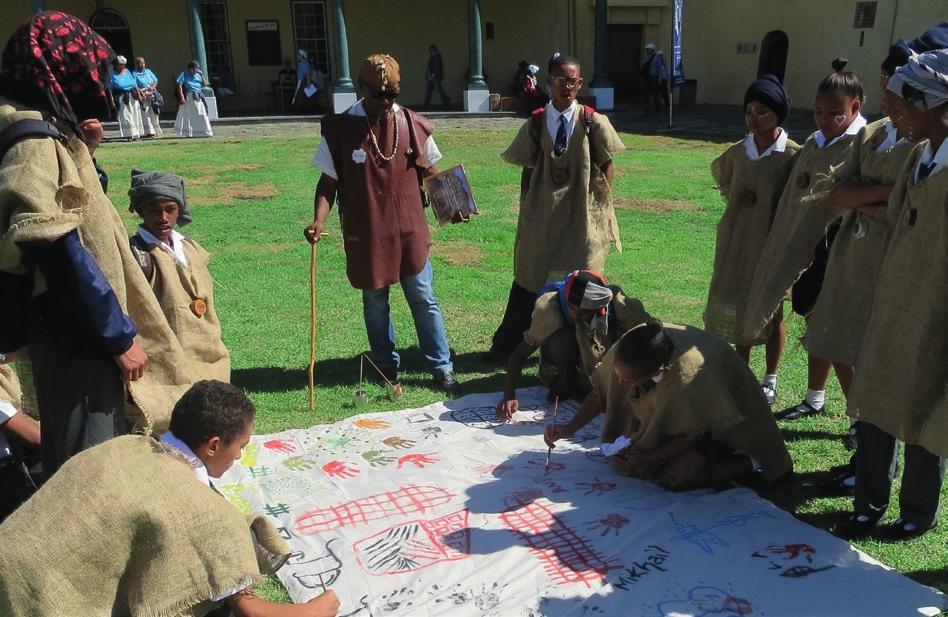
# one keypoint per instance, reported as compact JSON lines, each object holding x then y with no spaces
{"x":795,"y":434}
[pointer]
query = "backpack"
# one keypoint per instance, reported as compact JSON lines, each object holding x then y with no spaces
{"x":16,"y":290}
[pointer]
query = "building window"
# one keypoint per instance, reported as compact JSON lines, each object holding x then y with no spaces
{"x":865,"y":15}
{"x":113,"y":27}
{"x":216,"y":38}
{"x":309,"y":31}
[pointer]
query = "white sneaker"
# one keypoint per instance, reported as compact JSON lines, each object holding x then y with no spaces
{"x":770,"y":393}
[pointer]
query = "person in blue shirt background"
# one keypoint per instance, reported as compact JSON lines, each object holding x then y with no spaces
{"x":151,"y":100}
{"x":126,"y":97}
{"x":192,"y":120}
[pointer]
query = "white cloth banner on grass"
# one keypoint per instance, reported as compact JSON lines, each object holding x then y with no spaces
{"x":443,"y":510}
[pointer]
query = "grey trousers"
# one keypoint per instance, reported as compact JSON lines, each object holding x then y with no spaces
{"x":922,"y":477}
{"x":81,"y":399}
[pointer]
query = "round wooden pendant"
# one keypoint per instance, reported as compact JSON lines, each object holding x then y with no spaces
{"x":199,"y":307}
{"x":559,"y":175}
{"x":803,"y":180}
{"x":747,"y":198}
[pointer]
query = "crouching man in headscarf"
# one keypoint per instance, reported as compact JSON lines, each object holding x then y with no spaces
{"x":693,"y":411}
{"x":575,"y":321}
{"x":177,"y":268}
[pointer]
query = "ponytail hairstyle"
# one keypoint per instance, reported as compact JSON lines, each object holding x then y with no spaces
{"x":842,"y":81}
{"x":646,"y":348}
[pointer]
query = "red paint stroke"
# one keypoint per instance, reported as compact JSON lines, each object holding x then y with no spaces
{"x":414,"y":545}
{"x":418,"y":460}
{"x":407,"y":500}
{"x":492,"y":470}
{"x":598,"y":487}
{"x":540,"y":464}
{"x":611,"y":522}
{"x":566,"y":557}
{"x":280,"y":445}
{"x":340,"y":469}
{"x":792,"y":551}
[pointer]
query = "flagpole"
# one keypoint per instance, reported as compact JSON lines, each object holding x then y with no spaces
{"x":671,"y":67}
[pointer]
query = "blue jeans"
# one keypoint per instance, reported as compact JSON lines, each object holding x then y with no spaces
{"x":426,"y":313}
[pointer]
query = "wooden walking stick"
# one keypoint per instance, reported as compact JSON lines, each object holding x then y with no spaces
{"x":312,"y":321}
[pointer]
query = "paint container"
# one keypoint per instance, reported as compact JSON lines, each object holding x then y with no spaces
{"x":360,"y":399}
{"x":394,"y":391}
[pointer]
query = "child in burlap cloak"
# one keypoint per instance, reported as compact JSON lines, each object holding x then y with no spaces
{"x":185,"y":289}
{"x":900,"y":390}
{"x":804,"y":215}
{"x":567,"y":221}
{"x":705,"y":398}
{"x":125,"y":528}
{"x":751,"y":180}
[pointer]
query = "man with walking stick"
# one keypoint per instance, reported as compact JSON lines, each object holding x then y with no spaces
{"x":372,"y":157}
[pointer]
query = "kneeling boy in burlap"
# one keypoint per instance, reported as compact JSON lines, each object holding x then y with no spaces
{"x":133,"y":527}
{"x":692,"y":408}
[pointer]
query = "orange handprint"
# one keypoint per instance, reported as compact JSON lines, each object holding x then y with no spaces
{"x":370,"y":423}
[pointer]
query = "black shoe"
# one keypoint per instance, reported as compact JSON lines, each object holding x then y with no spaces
{"x":856,"y":527}
{"x":839,"y":487}
{"x":802,"y":410}
{"x":900,"y":530}
{"x":496,"y":354}
{"x":447,"y":383}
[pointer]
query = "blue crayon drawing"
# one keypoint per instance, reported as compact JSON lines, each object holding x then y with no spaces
{"x":706,"y":601}
{"x":704,"y":538}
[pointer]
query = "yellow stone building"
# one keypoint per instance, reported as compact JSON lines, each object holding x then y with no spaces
{"x":725,"y":42}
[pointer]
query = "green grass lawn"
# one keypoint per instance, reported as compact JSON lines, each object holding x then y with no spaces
{"x":252,"y":199}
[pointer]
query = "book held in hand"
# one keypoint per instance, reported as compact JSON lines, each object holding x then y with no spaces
{"x":450,"y":195}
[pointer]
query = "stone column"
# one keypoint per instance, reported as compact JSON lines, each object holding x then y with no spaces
{"x":600,"y":86}
{"x":476,"y":94}
{"x":343,"y":91}
{"x":199,"y":53}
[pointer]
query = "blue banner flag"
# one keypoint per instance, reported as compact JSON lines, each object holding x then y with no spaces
{"x":678,"y":75}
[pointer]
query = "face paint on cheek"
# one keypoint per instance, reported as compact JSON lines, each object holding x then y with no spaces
{"x":839,"y":118}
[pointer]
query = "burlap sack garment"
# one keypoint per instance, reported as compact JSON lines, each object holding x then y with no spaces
{"x":752,"y":190}
{"x":48,"y":189}
{"x":570,"y":225}
{"x":176,"y":288}
{"x":10,"y":386}
{"x":707,"y":391}
{"x":903,"y":362}
{"x":593,"y":344}
{"x":803,"y":214}
{"x":838,"y":322}
{"x":125,"y":528}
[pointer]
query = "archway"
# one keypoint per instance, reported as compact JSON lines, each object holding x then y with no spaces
{"x":773,"y":54}
{"x":113,"y":26}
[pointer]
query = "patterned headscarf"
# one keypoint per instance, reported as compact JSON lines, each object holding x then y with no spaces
{"x":59,"y":64}
{"x":927,"y":75}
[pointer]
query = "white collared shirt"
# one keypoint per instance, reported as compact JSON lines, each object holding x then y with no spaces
{"x":322,"y":158}
{"x":940,"y":159}
{"x":891,"y":138}
{"x":7,"y":411}
{"x":750,"y":146}
{"x":553,"y":120}
{"x":199,"y":469}
{"x":853,"y":128}
{"x":176,"y":250}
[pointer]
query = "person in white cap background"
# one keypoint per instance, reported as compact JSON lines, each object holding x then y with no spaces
{"x":654,"y":74}
{"x":575,"y":322}
{"x":126,"y":97}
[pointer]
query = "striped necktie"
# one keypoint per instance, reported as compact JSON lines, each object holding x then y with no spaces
{"x":559,"y":145}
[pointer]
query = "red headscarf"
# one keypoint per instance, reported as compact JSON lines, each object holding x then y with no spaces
{"x":57,"y":63}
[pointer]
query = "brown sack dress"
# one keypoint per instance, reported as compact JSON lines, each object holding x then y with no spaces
{"x":177,"y":288}
{"x":900,"y":386}
{"x":48,"y":189}
{"x":752,"y":190}
{"x":801,"y":220}
{"x":126,"y":529}
{"x":707,"y":391}
{"x":838,"y":322}
{"x":570,"y":224}
{"x":10,"y":386}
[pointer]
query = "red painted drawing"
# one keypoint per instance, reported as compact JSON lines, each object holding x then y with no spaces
{"x":340,"y":469}
{"x":280,"y":445}
{"x":407,"y":500}
{"x":415,"y":545}
{"x":418,"y":460}
{"x":566,"y":557}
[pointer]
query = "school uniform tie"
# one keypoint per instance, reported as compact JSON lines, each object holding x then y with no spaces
{"x":924,"y":170}
{"x":559,"y":144}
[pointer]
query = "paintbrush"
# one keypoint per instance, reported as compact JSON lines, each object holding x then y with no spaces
{"x":549,"y":451}
{"x":321,"y":583}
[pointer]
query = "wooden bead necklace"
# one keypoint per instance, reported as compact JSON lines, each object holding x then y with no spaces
{"x":375,"y":143}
